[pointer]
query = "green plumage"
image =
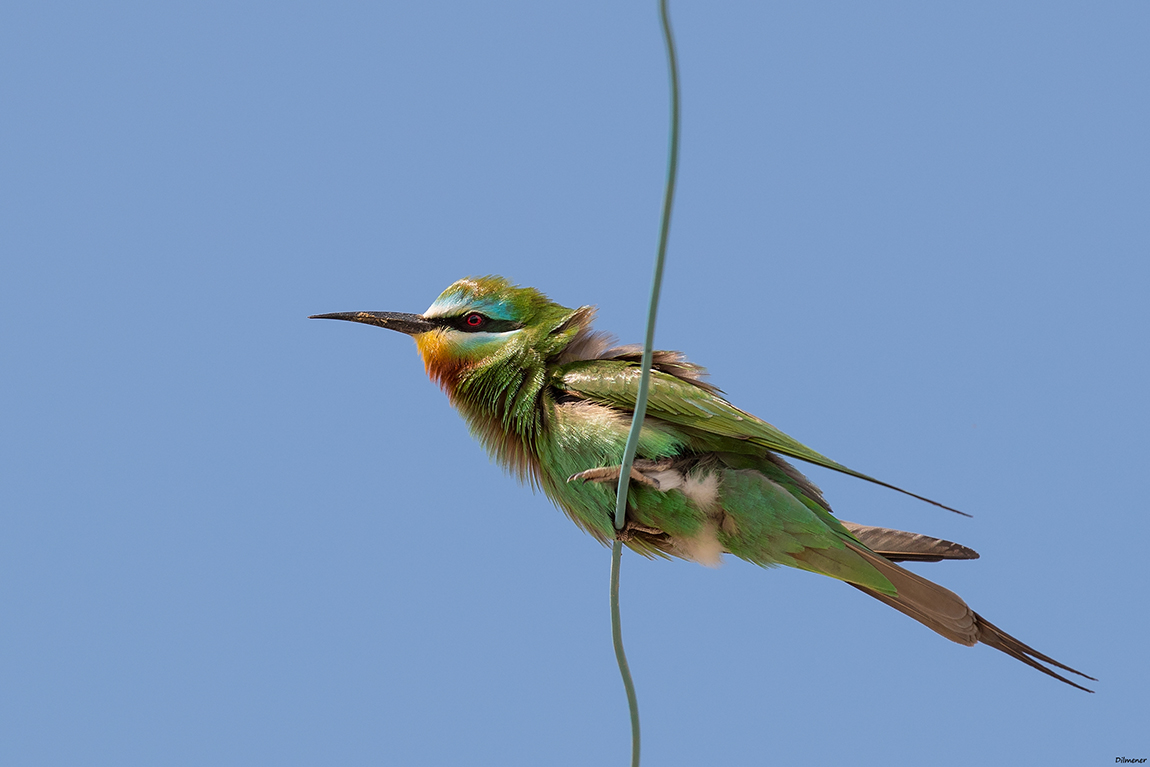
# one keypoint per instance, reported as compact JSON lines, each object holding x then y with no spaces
{"x":552,"y":402}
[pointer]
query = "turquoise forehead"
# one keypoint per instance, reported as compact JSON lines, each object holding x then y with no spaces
{"x":492,"y":296}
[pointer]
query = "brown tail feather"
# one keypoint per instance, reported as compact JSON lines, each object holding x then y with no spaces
{"x":998,"y":639}
{"x":946,"y":613}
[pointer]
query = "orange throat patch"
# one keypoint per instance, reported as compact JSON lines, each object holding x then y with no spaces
{"x":441,"y":364}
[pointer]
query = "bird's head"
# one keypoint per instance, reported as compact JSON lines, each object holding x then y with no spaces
{"x":481,"y":323}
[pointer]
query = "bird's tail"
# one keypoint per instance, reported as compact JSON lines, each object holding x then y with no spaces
{"x":945,"y":612}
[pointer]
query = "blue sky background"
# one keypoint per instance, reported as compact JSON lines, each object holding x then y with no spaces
{"x":914,"y":238}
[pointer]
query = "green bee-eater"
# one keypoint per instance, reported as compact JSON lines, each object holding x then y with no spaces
{"x":552,"y":401}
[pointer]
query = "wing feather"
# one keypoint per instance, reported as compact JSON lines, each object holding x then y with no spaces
{"x":685,"y":403}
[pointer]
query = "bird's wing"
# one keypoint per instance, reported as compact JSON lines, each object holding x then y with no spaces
{"x":901,"y":546}
{"x":615,"y":383}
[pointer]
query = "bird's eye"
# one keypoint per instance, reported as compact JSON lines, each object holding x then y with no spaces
{"x":474,"y":320}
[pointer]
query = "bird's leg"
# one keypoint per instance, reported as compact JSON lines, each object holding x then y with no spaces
{"x":639,"y":473}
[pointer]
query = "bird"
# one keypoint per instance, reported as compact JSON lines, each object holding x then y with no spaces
{"x":552,"y":399}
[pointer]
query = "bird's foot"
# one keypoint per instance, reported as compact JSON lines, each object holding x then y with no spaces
{"x":611,"y":473}
{"x":632,"y":529}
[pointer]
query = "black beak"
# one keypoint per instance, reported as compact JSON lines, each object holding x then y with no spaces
{"x":411,"y":324}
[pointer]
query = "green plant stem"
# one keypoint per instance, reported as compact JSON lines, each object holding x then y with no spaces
{"x":644,"y":382}
{"x":620,"y":656}
{"x":656,"y":282}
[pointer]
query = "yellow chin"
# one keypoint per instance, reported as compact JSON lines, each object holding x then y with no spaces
{"x":440,"y":357}
{"x":431,"y":347}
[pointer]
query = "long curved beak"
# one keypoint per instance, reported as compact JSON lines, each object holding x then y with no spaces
{"x":411,"y":324}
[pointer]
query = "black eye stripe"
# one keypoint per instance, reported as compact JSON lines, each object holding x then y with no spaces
{"x":474,"y":322}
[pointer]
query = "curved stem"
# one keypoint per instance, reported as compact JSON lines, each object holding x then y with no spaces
{"x":644,"y":383}
{"x":657,"y":281}
{"x":620,"y":656}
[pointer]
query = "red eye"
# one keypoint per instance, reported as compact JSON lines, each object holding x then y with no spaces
{"x":474,"y":320}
